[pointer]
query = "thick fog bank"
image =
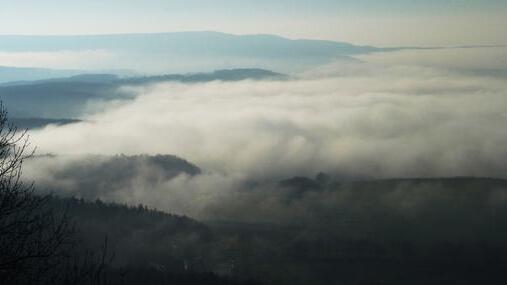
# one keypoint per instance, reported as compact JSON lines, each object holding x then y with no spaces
{"x":371,"y":120}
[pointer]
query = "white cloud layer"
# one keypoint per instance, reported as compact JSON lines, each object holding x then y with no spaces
{"x":391,"y":121}
{"x":370,"y":120}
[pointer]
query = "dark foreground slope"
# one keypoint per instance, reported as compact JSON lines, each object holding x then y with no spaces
{"x":398,"y":231}
{"x":460,"y":208}
{"x":141,"y":245}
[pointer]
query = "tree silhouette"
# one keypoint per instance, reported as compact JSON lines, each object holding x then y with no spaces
{"x":34,"y":239}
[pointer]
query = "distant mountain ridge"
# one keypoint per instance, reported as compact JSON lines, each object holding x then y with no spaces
{"x":222,"y":74}
{"x":186,"y":42}
{"x":188,"y":51}
{"x":68,"y":97}
{"x":12,"y":74}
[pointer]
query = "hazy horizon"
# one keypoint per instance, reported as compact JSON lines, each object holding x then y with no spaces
{"x":384,"y":23}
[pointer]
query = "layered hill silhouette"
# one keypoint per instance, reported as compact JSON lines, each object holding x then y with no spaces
{"x":68,"y":97}
{"x":106,"y":176}
{"x":196,"y":43}
{"x":187,"y":51}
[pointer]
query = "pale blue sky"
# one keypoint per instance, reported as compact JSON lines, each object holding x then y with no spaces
{"x":381,"y":22}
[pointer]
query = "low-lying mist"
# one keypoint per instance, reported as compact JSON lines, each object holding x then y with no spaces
{"x":364,"y":120}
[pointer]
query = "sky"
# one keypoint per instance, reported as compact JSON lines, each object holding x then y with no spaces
{"x":377,"y":22}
